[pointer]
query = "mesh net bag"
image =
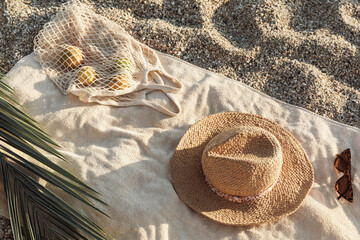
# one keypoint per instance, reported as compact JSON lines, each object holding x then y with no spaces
{"x":94,"y":58}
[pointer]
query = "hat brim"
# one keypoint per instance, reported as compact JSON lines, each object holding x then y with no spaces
{"x":291,"y":188}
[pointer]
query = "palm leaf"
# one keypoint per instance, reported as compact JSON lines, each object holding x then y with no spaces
{"x":36,"y":212}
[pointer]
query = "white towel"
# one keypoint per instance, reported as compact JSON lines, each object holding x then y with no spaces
{"x":125,"y":153}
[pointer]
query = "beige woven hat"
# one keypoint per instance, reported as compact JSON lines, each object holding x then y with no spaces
{"x":240,"y":169}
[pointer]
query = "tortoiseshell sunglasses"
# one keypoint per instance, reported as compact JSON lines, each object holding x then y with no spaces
{"x":343,"y":186}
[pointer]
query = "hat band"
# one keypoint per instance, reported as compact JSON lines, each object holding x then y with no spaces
{"x":240,"y":199}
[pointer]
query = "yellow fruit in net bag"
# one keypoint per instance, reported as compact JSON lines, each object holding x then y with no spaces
{"x":72,"y":57}
{"x":124,"y":64}
{"x":86,"y":75}
{"x":119,"y":82}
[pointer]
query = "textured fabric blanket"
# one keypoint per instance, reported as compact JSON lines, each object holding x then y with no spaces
{"x":125,"y":154}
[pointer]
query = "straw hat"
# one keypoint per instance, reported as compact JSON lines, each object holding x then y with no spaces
{"x":240,"y":169}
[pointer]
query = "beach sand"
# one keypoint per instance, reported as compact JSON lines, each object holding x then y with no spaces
{"x":305,"y":53}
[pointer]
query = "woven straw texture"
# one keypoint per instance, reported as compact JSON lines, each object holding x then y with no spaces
{"x":246,"y":153}
{"x":187,"y":176}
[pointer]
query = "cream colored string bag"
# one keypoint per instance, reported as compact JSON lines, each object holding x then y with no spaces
{"x":95,"y":59}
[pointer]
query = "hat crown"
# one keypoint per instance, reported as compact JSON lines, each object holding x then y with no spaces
{"x":242,"y":161}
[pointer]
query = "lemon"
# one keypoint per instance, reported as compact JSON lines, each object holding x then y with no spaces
{"x":72,"y":57}
{"x":124,"y":64}
{"x":119,"y":82}
{"x":86,"y":75}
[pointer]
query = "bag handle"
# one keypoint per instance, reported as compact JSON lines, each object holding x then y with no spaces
{"x":144,"y":90}
{"x":140,"y":102}
{"x":159,"y":83}
{"x":158,"y":107}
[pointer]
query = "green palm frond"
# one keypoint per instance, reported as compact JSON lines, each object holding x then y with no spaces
{"x":40,"y":212}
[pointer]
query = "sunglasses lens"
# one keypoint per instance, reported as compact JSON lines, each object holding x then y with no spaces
{"x":341,"y":165}
{"x":343,"y":187}
{"x":342,"y":161}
